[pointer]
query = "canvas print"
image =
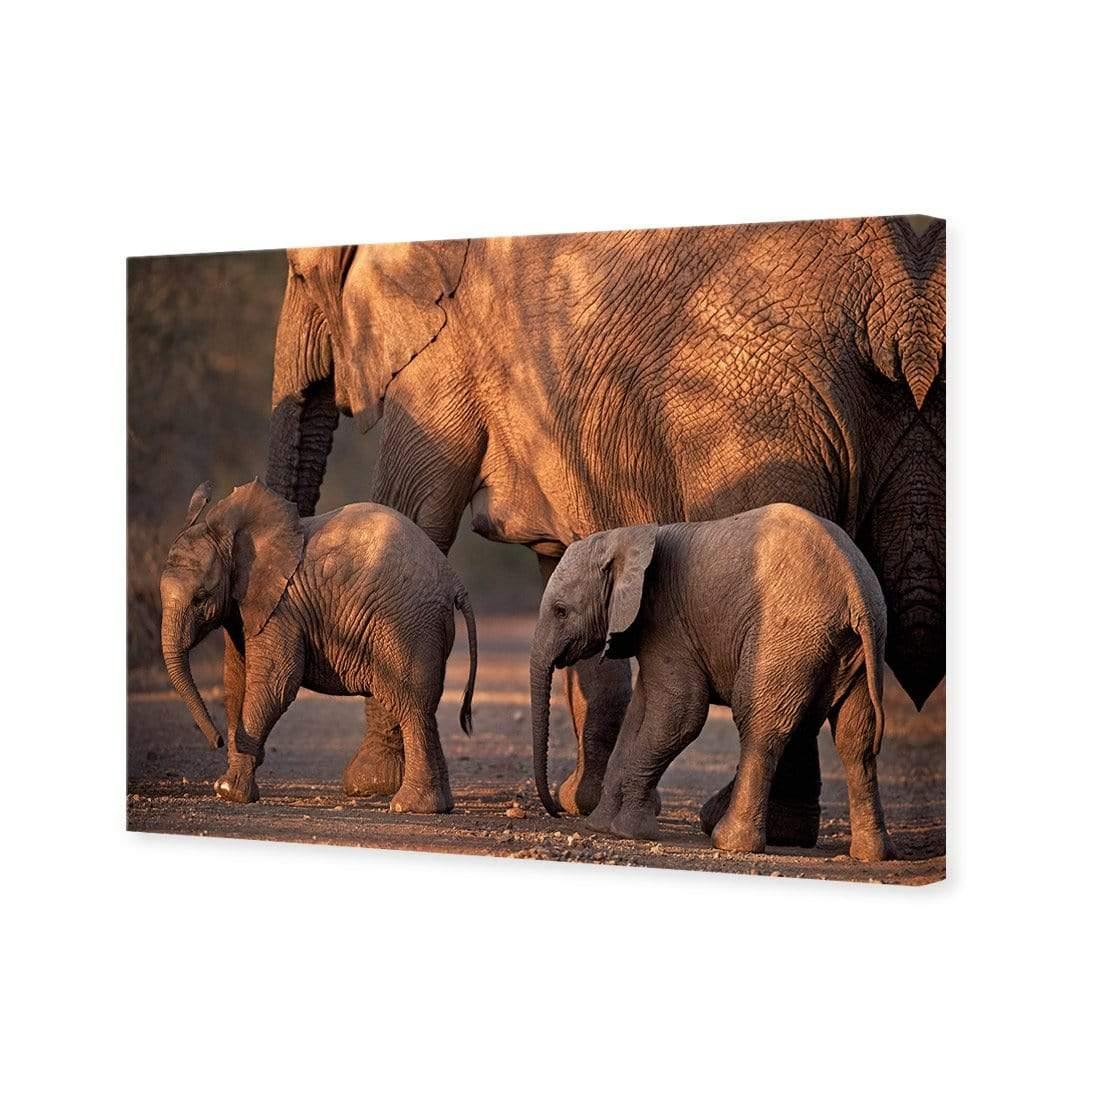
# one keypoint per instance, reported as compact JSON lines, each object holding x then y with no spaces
{"x":622,"y":548}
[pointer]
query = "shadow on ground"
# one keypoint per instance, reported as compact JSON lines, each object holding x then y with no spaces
{"x":497,"y":812}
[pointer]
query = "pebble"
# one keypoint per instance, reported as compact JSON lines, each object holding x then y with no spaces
{"x":515,"y":811}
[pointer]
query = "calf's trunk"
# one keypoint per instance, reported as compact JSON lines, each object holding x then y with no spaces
{"x":542,"y":673}
{"x":178,"y":666}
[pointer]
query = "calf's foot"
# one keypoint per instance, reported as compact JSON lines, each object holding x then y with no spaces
{"x":871,"y":847}
{"x":791,"y":823}
{"x":411,"y":799}
{"x":375,"y":769}
{"x":636,"y":822}
{"x":237,"y":785}
{"x":579,"y":793}
{"x":715,"y":807}
{"x":730,"y":835}
{"x":600,"y":819}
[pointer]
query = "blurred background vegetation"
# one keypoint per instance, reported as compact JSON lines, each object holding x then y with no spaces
{"x":200,"y":340}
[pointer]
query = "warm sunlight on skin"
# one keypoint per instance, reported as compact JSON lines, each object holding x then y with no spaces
{"x":558,"y":387}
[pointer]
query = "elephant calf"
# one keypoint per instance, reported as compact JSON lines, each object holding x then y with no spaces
{"x":358,"y":601}
{"x":773,"y":612}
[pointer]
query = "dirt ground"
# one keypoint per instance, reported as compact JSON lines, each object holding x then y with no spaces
{"x":497,"y":811}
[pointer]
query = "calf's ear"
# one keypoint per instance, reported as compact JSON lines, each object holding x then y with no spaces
{"x":627,"y":554}
{"x":268,"y":540}
{"x":199,"y":500}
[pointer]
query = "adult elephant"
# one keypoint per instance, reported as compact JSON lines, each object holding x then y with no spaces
{"x":567,"y":384}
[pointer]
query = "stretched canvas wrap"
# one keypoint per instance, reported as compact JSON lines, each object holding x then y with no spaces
{"x":619,"y":548}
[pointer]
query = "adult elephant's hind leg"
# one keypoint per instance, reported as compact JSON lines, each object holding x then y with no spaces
{"x":378,"y":766}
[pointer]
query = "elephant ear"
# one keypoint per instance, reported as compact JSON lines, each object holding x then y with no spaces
{"x":267,"y":548}
{"x":390,"y":311}
{"x":627,"y":554}
{"x":199,"y":500}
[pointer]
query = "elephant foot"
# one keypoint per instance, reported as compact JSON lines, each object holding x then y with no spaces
{"x":730,"y":835}
{"x":636,"y":823}
{"x":374,"y":771}
{"x":422,"y":800}
{"x":872,"y":847}
{"x":714,"y":809}
{"x":579,"y":793}
{"x":790,"y":824}
{"x":237,"y":787}
{"x":793,"y":824}
{"x":600,"y":819}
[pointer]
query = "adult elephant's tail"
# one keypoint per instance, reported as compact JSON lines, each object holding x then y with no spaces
{"x":465,"y":715}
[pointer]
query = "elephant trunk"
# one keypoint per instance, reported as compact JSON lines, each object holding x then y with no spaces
{"x":542,"y":673}
{"x":303,"y":403}
{"x":178,"y":666}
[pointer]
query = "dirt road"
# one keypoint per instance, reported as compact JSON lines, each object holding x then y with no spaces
{"x":497,"y":811}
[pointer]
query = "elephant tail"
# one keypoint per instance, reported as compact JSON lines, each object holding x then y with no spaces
{"x":868,"y":619}
{"x":465,"y":715}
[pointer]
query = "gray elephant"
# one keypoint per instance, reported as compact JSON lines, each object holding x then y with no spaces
{"x":774,"y":613}
{"x":565,"y":385}
{"x":358,"y":601}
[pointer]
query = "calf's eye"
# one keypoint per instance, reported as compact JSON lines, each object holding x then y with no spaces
{"x":560,"y":611}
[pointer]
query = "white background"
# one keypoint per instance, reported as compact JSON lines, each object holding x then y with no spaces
{"x":139,"y":965}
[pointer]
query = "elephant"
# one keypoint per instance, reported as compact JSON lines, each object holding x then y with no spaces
{"x":564,"y":385}
{"x":358,"y":601}
{"x":774,"y":613}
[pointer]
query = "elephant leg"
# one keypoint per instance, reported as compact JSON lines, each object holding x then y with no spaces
{"x":853,"y":723}
{"x":271,"y":681}
{"x":597,"y":691}
{"x":233,"y":683}
{"x":378,"y":766}
{"x":238,"y":783}
{"x":794,"y":806}
{"x":742,"y":827}
{"x":675,"y":710}
{"x":598,"y":696}
{"x":715,"y":807}
{"x":426,"y":787}
{"x":611,"y":796}
{"x":246,"y":750}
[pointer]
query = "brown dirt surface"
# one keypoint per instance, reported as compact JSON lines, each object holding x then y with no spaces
{"x":497,"y":812}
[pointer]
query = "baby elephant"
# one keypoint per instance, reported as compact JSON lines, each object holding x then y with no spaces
{"x":355,"y":602}
{"x":773,"y":612}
